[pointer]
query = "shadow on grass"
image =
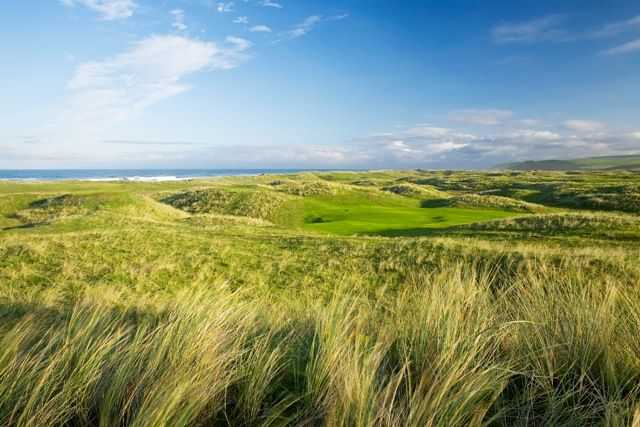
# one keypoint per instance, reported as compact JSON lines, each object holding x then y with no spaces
{"x":22,"y":226}
{"x":12,"y":312}
{"x":529,"y":235}
{"x":435,"y":203}
{"x":413,"y":232}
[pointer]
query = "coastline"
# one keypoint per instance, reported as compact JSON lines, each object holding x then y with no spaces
{"x":137,"y":175}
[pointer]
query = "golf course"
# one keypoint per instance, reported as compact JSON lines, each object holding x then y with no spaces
{"x":347,"y":299}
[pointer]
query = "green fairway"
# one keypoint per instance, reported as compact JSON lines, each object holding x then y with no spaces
{"x":358,"y":214}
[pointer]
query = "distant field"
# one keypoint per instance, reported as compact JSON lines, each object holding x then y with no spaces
{"x":593,"y":163}
{"x":384,"y":298}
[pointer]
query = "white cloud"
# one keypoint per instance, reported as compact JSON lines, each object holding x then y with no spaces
{"x":241,"y":20}
{"x":584,"y":125}
{"x":420,"y":143}
{"x":153,"y":69}
{"x":616,"y":28}
{"x":432,"y":146}
{"x":546,"y":28}
{"x":260,"y":29}
{"x":178,"y":20}
{"x":630,"y":47}
{"x":490,"y":117}
{"x":338,"y":17}
{"x":224,"y":7}
{"x":108,"y":9}
{"x":274,"y":156}
{"x":401,"y":147}
{"x":549,"y":28}
{"x":270,"y":3}
{"x":235,"y":53}
{"x":425,"y":131}
{"x":306,"y":26}
{"x":534,"y":135}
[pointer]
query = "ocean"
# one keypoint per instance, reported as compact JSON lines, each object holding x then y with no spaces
{"x":132,"y":174}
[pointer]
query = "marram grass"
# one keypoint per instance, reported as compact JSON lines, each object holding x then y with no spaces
{"x":119,"y":310}
{"x":553,"y":348}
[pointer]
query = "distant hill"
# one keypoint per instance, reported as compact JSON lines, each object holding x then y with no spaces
{"x":630,"y":162}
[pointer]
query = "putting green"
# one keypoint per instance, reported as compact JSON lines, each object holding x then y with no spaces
{"x":359,"y":214}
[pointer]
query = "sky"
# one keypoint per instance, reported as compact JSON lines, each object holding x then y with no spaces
{"x":316,"y":83}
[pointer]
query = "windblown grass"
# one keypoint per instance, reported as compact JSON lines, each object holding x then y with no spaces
{"x":202,"y":311}
{"x":553,"y":348}
{"x":567,"y":222}
{"x":254,"y":204}
{"x":487,"y":202}
{"x":306,"y":188}
{"x":413,"y":190}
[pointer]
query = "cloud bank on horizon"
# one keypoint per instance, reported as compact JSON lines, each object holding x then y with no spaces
{"x":262,"y":83}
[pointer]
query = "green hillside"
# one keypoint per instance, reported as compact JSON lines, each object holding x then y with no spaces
{"x":630,"y":162}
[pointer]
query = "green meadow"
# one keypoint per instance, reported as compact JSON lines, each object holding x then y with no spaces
{"x":382,"y":298}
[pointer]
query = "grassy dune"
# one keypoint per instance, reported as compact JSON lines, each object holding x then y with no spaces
{"x":279,"y":301}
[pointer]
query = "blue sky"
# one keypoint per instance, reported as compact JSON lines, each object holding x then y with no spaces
{"x":316,"y":84}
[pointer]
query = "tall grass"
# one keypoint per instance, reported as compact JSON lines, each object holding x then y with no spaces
{"x":553,"y":346}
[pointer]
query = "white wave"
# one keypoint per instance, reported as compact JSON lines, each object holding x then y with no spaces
{"x":140,"y":179}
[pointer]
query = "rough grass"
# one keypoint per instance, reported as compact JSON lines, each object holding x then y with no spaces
{"x":59,"y":207}
{"x":223,"y":220}
{"x":565,"y":222}
{"x":612,"y":191}
{"x":306,"y":189}
{"x":413,"y":190}
{"x":487,"y":202}
{"x":625,"y":198}
{"x":48,"y":209}
{"x":142,"y":314}
{"x":254,"y":204}
{"x":448,"y":349}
